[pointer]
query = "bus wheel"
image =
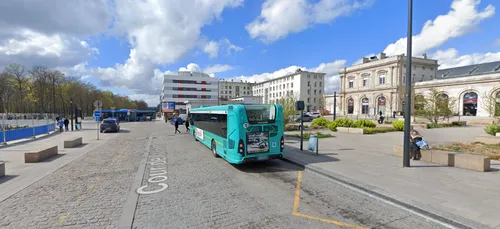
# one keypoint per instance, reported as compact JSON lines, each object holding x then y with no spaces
{"x":214,"y":149}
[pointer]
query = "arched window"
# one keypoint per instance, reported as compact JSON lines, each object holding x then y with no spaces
{"x":350,"y":106}
{"x":419,"y":102}
{"x":470,"y":104}
{"x":365,"y":105}
{"x":381,"y":105}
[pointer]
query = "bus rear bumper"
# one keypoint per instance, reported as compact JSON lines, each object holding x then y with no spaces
{"x":262,"y":158}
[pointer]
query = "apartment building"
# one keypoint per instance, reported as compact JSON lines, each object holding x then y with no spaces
{"x":230,"y":89}
{"x":303,"y":85}
{"x":195,"y":87}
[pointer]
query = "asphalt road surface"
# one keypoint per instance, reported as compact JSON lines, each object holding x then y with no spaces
{"x":181,"y":185}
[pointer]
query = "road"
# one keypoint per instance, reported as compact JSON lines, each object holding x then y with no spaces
{"x":184,"y":186}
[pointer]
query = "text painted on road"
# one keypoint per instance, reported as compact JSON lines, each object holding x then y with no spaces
{"x":157,"y":176}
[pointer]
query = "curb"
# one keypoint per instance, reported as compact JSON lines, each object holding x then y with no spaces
{"x":450,"y":223}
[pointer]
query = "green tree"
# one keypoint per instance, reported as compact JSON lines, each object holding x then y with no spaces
{"x":435,"y":106}
{"x":491,"y":103}
{"x":288,"y":103}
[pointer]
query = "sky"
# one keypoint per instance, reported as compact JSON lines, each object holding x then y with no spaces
{"x":126,"y":46}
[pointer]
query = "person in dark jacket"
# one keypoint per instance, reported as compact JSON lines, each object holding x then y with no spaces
{"x":187,"y":124}
{"x":176,"y":124}
{"x":66,"y":124}
{"x":414,"y":148}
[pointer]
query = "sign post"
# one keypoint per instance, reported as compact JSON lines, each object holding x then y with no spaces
{"x":97,"y":113}
{"x":113,"y":112}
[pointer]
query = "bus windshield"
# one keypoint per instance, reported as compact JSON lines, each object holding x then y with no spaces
{"x":261,"y":114}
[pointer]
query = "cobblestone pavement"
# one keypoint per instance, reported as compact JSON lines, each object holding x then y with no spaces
{"x":203,"y":191}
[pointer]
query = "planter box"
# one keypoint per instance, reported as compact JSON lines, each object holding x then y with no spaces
{"x":472,"y":162}
{"x":490,"y":140}
{"x":34,"y":157}
{"x":350,"y":130}
{"x":443,"y":157}
{"x":72,"y":143}
{"x":417,"y":125}
{"x":2,"y":168}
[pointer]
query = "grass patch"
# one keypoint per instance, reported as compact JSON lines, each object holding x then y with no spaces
{"x":476,"y":148}
{"x":378,"y":130}
{"x":444,"y":125}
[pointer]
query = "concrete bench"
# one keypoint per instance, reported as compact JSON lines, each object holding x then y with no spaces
{"x":490,"y":140}
{"x":72,"y":143}
{"x":443,"y":157}
{"x":343,"y":129}
{"x":350,"y":130}
{"x":398,"y":150}
{"x":34,"y":157}
{"x":419,"y":125}
{"x":472,"y":162}
{"x":2,"y":168}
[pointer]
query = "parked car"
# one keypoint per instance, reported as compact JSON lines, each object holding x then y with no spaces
{"x":307,"y":118}
{"x":109,"y":124}
{"x":314,"y":114}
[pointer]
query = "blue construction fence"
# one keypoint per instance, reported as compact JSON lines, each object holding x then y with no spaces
{"x":29,"y":132}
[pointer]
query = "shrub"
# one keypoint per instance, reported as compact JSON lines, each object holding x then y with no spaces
{"x":492,"y":129}
{"x":459,"y":123}
{"x":316,"y":127}
{"x":378,"y":130}
{"x":399,"y":125}
{"x":292,"y":127}
{"x":321,"y":122}
{"x":344,"y":122}
{"x":364,"y":123}
{"x":332,"y":126}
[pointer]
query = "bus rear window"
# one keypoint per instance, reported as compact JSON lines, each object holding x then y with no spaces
{"x":261,"y":113}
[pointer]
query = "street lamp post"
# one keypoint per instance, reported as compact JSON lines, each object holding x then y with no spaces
{"x":334,"y":105}
{"x":407,"y":117}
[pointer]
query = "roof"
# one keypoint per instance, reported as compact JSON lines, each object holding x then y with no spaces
{"x":469,"y":70}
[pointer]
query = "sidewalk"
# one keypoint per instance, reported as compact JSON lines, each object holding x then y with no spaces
{"x":467,"y":197}
{"x":20,"y":175}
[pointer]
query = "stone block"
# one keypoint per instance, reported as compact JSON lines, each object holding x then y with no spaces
{"x":426,"y":155}
{"x":497,"y":134}
{"x":419,"y":126}
{"x":2,"y":168}
{"x":443,"y":157}
{"x":356,"y":131}
{"x":472,"y":162}
{"x":490,"y":140}
{"x":34,"y":157}
{"x":72,"y":143}
{"x":343,"y":129}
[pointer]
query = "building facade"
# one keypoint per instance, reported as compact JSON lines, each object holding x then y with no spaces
{"x":378,"y":85}
{"x":230,"y":89}
{"x":183,"y":86}
{"x":248,"y":100}
{"x":303,"y":85}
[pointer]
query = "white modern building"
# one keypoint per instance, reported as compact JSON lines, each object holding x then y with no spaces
{"x":303,"y":85}
{"x":378,"y":85}
{"x":195,"y":87}
{"x":230,"y":89}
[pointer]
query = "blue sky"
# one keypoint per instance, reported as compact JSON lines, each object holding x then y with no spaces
{"x":149,"y":38}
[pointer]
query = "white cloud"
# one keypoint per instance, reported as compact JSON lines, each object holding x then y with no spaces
{"x":278,"y":18}
{"x":217,"y":68}
{"x":462,"y":18}
{"x":450,"y":58}
{"x":331,"y":78}
{"x":212,"y":48}
{"x":192,"y":67}
{"x":160,"y":33}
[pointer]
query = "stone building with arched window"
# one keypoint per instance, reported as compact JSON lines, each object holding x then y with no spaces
{"x":378,"y":85}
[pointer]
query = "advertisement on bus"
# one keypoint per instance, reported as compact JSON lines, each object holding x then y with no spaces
{"x":257,"y":142}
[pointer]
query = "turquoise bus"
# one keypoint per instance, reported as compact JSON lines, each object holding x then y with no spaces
{"x":240,"y":133}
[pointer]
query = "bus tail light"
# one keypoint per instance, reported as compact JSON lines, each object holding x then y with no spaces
{"x":241,"y":148}
{"x":282,"y":143}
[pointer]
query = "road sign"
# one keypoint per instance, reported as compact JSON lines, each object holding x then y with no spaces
{"x":98,"y":114}
{"x":98,"y":104}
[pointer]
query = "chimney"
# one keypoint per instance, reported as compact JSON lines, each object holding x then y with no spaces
{"x":425,"y":55}
{"x":383,"y":55}
{"x":365,"y":60}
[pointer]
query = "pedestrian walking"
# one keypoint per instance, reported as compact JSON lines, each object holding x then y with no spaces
{"x":187,"y":124}
{"x":394,"y":114}
{"x":176,"y":124}
{"x":60,"y":123}
{"x":66,"y":124}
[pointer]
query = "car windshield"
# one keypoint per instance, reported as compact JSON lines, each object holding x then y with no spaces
{"x":261,"y":113}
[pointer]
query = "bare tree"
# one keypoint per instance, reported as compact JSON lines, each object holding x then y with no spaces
{"x":21,"y":83}
{"x":6,"y":90}
{"x":491,"y":103}
{"x":436,"y":107}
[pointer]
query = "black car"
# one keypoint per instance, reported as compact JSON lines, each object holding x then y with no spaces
{"x":110,"y":125}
